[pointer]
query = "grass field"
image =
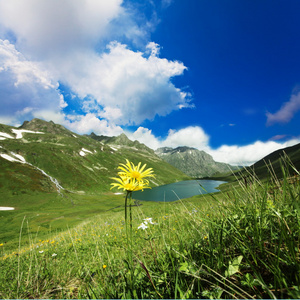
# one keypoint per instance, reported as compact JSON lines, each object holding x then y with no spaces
{"x":240,"y":243}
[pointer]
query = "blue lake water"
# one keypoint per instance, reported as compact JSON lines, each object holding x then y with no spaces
{"x":178,"y":190}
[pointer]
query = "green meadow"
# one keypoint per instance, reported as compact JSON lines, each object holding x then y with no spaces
{"x":242,"y":242}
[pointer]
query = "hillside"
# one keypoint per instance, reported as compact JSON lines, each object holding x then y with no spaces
{"x":276,"y":159}
{"x":193,"y":162}
{"x":43,"y":156}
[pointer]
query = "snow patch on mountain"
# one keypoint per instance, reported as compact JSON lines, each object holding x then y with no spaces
{"x":18,"y":133}
{"x":84,"y":152}
{"x":4,"y":136}
{"x":11,"y":158}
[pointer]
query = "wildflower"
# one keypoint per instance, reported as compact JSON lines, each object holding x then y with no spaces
{"x":132,"y":178}
{"x":41,"y":251}
{"x":148,"y":220}
{"x":143,"y":226}
{"x":54,"y":254}
{"x":1,"y":244}
{"x":104,"y":266}
{"x":135,"y":172}
{"x":129,"y":184}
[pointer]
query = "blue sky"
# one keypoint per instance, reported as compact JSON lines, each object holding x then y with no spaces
{"x":220,"y":76}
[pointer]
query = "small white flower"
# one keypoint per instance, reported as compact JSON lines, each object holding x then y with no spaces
{"x":143,"y":226}
{"x":54,"y":254}
{"x":41,"y":251}
{"x":148,"y":220}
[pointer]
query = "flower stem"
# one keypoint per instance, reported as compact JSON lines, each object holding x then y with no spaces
{"x":129,"y":235}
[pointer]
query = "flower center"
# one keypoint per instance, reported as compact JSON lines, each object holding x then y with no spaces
{"x":136,"y":175}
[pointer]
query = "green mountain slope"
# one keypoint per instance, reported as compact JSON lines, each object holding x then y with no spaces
{"x":275,"y":160}
{"x":193,"y":162}
{"x":74,"y":162}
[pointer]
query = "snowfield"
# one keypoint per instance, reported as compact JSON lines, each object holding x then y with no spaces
{"x":18,"y":133}
{"x":14,"y":157}
{"x":4,"y":136}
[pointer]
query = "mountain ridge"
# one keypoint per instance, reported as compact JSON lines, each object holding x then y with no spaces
{"x":78,"y":163}
{"x":193,"y":162}
{"x":121,"y":140}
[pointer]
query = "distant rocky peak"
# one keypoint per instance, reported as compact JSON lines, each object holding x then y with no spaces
{"x":122,"y":139}
{"x":169,"y":150}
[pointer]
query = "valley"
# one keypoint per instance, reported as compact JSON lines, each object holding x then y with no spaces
{"x":66,"y":236}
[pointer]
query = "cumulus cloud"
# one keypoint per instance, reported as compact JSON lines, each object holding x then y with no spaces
{"x":145,"y":136}
{"x":286,"y":112}
{"x":90,"y":123}
{"x":124,"y":86}
{"x":192,"y":136}
{"x":127,"y":82}
{"x":51,"y":28}
{"x":26,"y":88}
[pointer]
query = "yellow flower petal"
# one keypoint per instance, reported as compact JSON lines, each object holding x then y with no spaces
{"x":132,"y":178}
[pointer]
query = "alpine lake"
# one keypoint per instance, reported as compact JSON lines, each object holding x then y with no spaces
{"x":178,"y":190}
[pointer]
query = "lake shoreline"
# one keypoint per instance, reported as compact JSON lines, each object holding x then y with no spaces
{"x":178,"y":190}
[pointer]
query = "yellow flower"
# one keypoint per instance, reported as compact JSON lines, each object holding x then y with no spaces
{"x":132,"y":178}
{"x":104,"y":266}
{"x":1,"y":244}
{"x":134,"y":172}
{"x":129,"y":184}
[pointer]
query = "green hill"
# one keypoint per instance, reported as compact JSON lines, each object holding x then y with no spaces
{"x":78,"y":163}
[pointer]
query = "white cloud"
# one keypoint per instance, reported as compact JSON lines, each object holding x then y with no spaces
{"x":286,"y":112}
{"x":249,"y":154}
{"x":123,"y":86}
{"x":52,"y":28}
{"x":192,"y":136}
{"x":90,"y":123}
{"x":23,"y":71}
{"x":111,"y":113}
{"x":145,"y":136}
{"x":25,"y":88}
{"x":127,"y":82}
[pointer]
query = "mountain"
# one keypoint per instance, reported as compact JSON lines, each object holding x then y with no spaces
{"x":193,"y":162}
{"x":121,"y":140}
{"x":44,"y":126}
{"x":42,"y":156}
